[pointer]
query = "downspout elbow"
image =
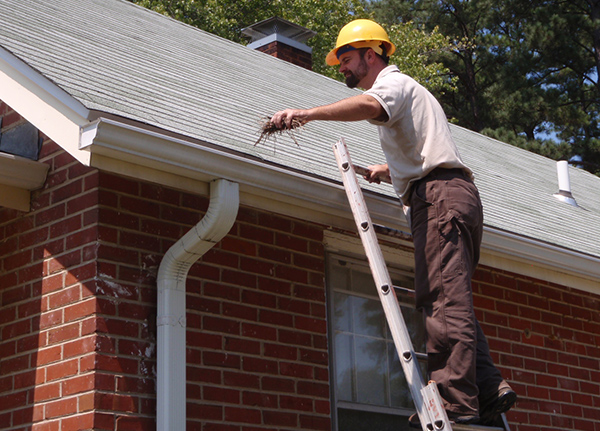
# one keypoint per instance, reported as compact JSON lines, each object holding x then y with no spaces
{"x":171,"y":325}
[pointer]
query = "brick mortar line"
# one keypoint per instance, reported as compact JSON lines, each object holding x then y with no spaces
{"x":260,"y":408}
{"x":47,"y":347}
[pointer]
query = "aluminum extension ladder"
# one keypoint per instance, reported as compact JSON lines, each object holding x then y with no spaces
{"x":427,"y":399}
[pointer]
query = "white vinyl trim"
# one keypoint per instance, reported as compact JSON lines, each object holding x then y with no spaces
{"x":41,"y":102}
{"x":300,"y":195}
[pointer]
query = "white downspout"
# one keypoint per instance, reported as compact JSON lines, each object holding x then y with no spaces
{"x":171,"y":325}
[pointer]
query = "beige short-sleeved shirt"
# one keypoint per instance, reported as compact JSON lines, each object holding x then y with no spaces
{"x":416,"y":137}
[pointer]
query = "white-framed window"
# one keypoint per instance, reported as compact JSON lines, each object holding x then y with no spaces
{"x":369,"y":390}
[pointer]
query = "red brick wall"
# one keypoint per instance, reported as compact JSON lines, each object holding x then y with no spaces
{"x":545,"y":338}
{"x":288,"y":53}
{"x":47,"y":267}
{"x":257,"y":334}
{"x":78,"y":330}
{"x":78,"y":306}
{"x":9,"y":117}
{"x":257,"y":348}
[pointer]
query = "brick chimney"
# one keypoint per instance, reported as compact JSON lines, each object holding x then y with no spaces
{"x":282,"y":39}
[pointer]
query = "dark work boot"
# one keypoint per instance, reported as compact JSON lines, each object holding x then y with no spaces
{"x":492,"y":406}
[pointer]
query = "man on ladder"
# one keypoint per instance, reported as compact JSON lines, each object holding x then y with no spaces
{"x":446,"y":217}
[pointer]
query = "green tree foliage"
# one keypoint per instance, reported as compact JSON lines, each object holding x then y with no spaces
{"x":415,"y":52}
{"x":527,"y":70}
{"x":564,"y":37}
{"x":227,"y":18}
{"x":524,"y":71}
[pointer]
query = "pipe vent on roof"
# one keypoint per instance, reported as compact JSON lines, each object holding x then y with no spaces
{"x":564,"y":184}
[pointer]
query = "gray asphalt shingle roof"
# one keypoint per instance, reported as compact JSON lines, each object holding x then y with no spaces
{"x":118,"y":58}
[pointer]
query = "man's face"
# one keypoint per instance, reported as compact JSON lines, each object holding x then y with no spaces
{"x":354,"y":67}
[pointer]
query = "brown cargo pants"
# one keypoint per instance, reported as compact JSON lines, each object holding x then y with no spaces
{"x":447,"y":225}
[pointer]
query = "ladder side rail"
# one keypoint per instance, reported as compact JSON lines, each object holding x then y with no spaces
{"x":396,"y":323}
{"x":386,"y":292}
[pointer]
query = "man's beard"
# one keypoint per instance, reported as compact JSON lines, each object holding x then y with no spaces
{"x":353,"y":79}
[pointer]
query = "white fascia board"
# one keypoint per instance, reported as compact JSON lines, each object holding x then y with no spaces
{"x":117,"y":146}
{"x":154,"y":156}
{"x":521,"y":255}
{"x":43,"y":104}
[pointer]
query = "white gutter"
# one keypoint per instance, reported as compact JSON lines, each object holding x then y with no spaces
{"x":171,"y":324}
{"x":131,"y":150}
{"x":18,"y":177}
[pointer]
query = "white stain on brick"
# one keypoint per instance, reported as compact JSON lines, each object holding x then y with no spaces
{"x":116,"y":287}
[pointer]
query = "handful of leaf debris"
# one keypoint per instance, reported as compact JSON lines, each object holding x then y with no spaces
{"x":268,"y":130}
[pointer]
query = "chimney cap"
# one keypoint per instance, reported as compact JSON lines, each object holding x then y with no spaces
{"x":276,"y":25}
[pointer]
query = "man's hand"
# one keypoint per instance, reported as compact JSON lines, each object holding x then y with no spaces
{"x":355,"y":108}
{"x":377,"y":174}
{"x":283,"y":119}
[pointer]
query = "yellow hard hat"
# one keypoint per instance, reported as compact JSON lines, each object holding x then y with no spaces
{"x":361,"y":33}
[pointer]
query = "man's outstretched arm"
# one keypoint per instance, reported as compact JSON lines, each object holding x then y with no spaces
{"x":356,"y":108}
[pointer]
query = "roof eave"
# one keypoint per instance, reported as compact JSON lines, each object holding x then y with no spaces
{"x":184,"y":164}
{"x":43,"y":103}
{"x":189,"y":165}
{"x":537,"y":259}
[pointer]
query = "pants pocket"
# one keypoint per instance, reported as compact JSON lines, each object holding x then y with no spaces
{"x":451,"y":247}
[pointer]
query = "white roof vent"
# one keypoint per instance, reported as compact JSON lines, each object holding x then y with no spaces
{"x":564,"y":183}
